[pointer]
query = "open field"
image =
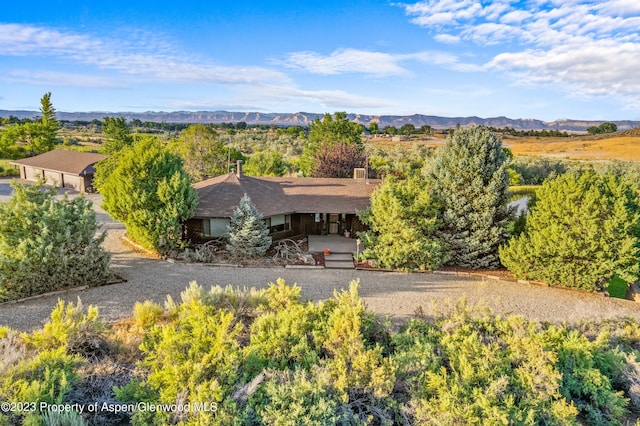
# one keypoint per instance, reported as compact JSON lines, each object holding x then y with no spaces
{"x":625,"y":148}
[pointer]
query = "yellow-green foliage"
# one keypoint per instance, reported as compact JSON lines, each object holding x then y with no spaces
{"x":73,"y":329}
{"x":355,"y":370}
{"x":146,"y":313}
{"x":267,"y":357}
{"x":45,"y":378}
{"x":492,"y":370}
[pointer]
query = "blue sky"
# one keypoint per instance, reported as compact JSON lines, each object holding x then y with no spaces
{"x":545,"y":59}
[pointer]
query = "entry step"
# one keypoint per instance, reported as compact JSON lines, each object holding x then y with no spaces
{"x":339,"y":264}
{"x":339,"y":256}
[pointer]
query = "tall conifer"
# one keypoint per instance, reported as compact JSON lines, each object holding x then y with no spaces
{"x":471,"y":181}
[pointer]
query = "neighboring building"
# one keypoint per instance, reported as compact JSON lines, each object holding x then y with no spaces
{"x":291,"y":206}
{"x":65,"y":169}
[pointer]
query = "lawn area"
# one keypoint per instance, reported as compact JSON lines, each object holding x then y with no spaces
{"x":617,"y":287}
{"x":519,"y":191}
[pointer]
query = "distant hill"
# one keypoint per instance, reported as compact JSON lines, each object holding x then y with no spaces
{"x":305,"y":118}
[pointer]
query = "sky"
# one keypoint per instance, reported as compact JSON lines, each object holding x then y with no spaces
{"x":543,"y":59}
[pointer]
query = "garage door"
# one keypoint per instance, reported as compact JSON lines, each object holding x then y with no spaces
{"x":53,"y":178}
{"x":32,"y":173}
{"x":74,"y":182}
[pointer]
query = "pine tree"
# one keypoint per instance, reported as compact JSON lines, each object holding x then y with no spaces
{"x":47,"y":244}
{"x":248,"y":232}
{"x":582,"y":230}
{"x":145,"y":187}
{"x":471,"y":181}
{"x":403,"y":221}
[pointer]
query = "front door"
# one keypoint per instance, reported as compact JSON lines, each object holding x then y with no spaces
{"x":334,"y":223}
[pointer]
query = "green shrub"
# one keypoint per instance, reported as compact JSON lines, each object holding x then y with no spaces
{"x":146,"y":313}
{"x":582,"y":230}
{"x":194,"y":358}
{"x":283,"y":339}
{"x":298,"y":397}
{"x":45,"y":378}
{"x":72,"y":329}
{"x":403,"y":221}
{"x":265,"y":357}
{"x":470,"y":367}
{"x":145,"y":187}
{"x":64,"y":418}
{"x":47,"y":244}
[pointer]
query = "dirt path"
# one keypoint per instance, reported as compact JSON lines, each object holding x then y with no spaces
{"x":397,"y":295}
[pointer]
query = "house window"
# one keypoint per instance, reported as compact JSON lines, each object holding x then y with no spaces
{"x":278,"y":223}
{"x":216,"y":227}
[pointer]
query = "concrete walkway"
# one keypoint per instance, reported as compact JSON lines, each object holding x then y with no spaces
{"x":341,"y":250}
{"x":335,"y":243}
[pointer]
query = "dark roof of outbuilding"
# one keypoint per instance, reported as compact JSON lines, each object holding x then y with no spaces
{"x":219,"y":196}
{"x":59,"y":160}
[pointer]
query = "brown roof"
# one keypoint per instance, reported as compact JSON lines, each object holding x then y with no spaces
{"x":219,"y":196}
{"x":59,"y":160}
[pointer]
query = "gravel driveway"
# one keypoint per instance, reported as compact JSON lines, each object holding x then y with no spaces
{"x":397,"y":295}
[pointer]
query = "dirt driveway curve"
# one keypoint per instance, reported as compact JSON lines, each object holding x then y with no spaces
{"x":395,"y":294}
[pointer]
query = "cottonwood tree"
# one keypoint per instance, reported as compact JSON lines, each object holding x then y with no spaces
{"x":145,"y":187}
{"x":248,"y":232}
{"x":471,"y":182}
{"x":581,"y":231}
{"x":47,"y":244}
{"x":203,"y":153}
{"x":265,"y":164}
{"x":403,"y":220}
{"x":329,"y":131}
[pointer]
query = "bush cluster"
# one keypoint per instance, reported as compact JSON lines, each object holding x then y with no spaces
{"x":582,"y":230}
{"x":267,"y":357}
{"x":47,"y":244}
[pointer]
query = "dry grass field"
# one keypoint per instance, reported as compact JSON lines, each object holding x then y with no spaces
{"x":578,"y":148}
{"x":623,"y":146}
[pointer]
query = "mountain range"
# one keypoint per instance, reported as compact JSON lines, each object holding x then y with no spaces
{"x":305,"y":118}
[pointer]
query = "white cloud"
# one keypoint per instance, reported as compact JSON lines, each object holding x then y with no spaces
{"x":145,"y":56}
{"x":588,"y":47}
{"x":347,"y":61}
{"x":447,"y":38}
{"x":332,"y":99}
{"x":366,"y":62}
{"x":52,"y":78}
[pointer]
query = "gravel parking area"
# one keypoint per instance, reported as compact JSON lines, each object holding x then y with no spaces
{"x":397,"y":295}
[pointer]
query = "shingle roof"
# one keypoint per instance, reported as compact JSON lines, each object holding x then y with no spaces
{"x":72,"y":162}
{"x":219,"y":196}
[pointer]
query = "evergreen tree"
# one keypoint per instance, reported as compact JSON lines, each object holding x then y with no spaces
{"x":43,"y":135}
{"x":117,"y":134}
{"x":471,"y":181}
{"x":248,"y":232}
{"x":145,"y":187}
{"x":47,"y":244}
{"x":403,"y":219}
{"x":581,"y":231}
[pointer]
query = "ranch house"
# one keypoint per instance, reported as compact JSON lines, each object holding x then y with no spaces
{"x":291,"y":206}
